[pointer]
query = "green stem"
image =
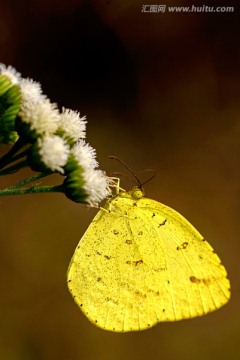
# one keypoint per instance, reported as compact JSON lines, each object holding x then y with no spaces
{"x":14,"y":168}
{"x":32,"y":190}
{"x":5,"y":159}
{"x":19,"y":156}
{"x":29,"y":180}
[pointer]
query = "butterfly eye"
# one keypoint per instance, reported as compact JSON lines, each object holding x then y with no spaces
{"x":137,"y":193}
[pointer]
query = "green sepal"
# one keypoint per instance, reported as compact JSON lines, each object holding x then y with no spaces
{"x":72,"y":165}
{"x":73,"y":185}
{"x":34,"y":159}
{"x":74,"y":181}
{"x":7,"y":121}
{"x":24,"y":130}
{"x":5,"y":84}
{"x":8,"y":137}
{"x":63,"y":135}
{"x":10,"y":97}
{"x":13,"y":95}
{"x":10,"y":103}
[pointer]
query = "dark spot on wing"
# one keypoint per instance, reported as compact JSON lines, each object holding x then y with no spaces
{"x":206,"y":281}
{"x":99,"y":279}
{"x":194,"y":279}
{"x":153,"y":215}
{"x":129,"y":242}
{"x":200,"y":257}
{"x":163,"y":223}
{"x":69,"y":280}
{"x":135,"y":263}
{"x":140,"y":233}
{"x":183,"y":246}
{"x":163,"y":310}
{"x":107,"y":257}
{"x":116,"y":232}
{"x":98,"y":253}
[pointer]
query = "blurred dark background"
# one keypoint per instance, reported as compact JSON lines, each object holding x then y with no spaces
{"x":160,"y":91}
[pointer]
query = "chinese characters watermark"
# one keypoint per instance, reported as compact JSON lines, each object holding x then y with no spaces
{"x":154,"y":8}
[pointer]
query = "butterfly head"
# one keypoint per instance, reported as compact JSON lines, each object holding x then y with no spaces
{"x":136,"y":192}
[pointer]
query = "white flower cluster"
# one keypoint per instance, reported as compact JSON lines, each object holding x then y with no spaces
{"x":58,"y":135}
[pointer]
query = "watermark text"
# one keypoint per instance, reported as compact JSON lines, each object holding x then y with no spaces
{"x":186,"y":9}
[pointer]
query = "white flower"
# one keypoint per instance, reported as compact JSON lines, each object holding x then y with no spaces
{"x":54,"y":152}
{"x":42,"y":115}
{"x":96,"y":186}
{"x":11,"y":73}
{"x":85,"y":155}
{"x":31,"y":90}
{"x":72,"y":124}
{"x":95,"y":182}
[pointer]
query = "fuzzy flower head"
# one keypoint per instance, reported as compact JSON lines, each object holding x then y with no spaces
{"x":31,"y":91}
{"x":84,"y":183}
{"x":96,"y":186}
{"x":71,"y":125}
{"x":89,"y":186}
{"x":11,"y":73}
{"x":53,"y":152}
{"x":85,"y":155}
{"x":41,"y":115}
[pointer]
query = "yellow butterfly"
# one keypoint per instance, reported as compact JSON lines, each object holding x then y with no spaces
{"x":141,"y":262}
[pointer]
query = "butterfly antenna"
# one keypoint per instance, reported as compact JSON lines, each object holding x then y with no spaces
{"x":117,"y":173}
{"x":127,"y":167}
{"x":152,"y":177}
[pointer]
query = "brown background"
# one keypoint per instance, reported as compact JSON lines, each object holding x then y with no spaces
{"x":161,"y":91}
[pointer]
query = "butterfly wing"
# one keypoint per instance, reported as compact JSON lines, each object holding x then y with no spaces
{"x":142,"y":263}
